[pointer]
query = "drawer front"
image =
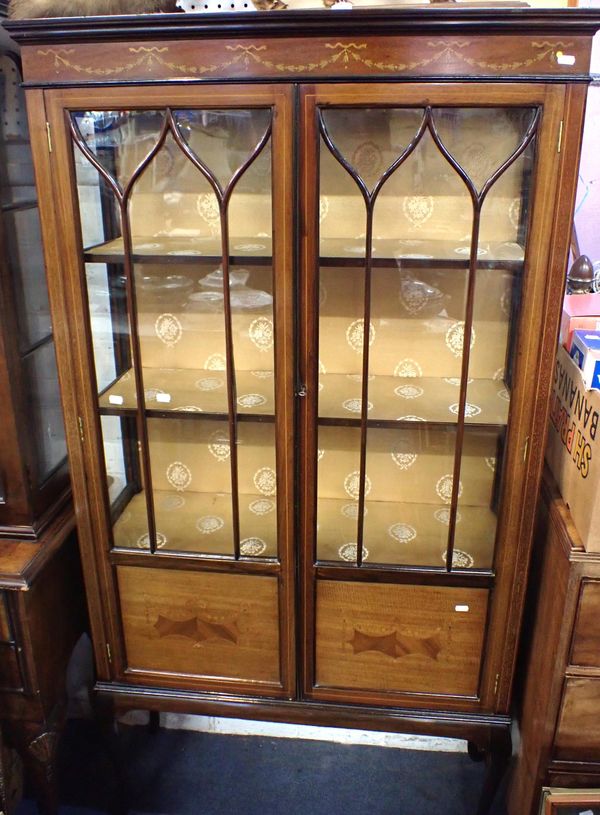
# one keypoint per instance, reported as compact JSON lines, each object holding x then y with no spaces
{"x":585,"y":649}
{"x":398,"y":638}
{"x":10,"y":673}
{"x":578,"y":731}
{"x":201,"y":625}
{"x":5,"y":628}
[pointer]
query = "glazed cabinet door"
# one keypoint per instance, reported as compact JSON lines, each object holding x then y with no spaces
{"x":178,"y":299}
{"x":427,"y":216}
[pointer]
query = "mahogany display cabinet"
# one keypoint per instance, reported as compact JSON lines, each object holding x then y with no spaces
{"x":42,"y":611}
{"x":306,"y":271}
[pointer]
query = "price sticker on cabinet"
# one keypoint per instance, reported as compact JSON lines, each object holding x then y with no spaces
{"x":565,"y":59}
{"x":463,"y":609}
{"x":115,"y":399}
{"x":163,"y":397}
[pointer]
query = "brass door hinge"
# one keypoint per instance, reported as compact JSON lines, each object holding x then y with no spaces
{"x":48,"y":133}
{"x":526,"y":449}
{"x":108,"y":652}
{"x":81,"y":433}
{"x":496,"y":683}
{"x":560,"y":135}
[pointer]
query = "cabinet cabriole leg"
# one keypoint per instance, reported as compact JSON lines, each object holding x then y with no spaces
{"x":154,"y":722}
{"x":497,"y":759}
{"x":37,"y":745}
{"x":106,"y":716}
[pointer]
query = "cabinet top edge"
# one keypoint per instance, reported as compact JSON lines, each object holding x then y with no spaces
{"x":306,"y":23}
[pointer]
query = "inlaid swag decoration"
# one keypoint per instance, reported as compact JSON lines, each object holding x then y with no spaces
{"x":399,"y":528}
{"x":153,"y":390}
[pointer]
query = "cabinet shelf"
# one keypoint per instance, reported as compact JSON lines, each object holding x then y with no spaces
{"x":192,"y":392}
{"x":200,"y":522}
{"x":185,"y":250}
{"x":395,"y":400}
{"x":396,"y":533}
{"x":387,"y":253}
{"x":420,"y":253}
{"x":405,"y":533}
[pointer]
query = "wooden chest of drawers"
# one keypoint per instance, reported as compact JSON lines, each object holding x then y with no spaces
{"x":41,"y":618}
{"x":560,"y":701}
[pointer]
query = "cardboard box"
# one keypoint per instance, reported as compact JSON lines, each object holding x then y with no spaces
{"x":573,"y":450}
{"x":585,"y":351}
{"x":581,"y":312}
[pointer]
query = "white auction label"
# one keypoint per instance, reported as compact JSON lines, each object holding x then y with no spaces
{"x":565,"y":59}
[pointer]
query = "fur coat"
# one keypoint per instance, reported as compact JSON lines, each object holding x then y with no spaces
{"x":24,"y":9}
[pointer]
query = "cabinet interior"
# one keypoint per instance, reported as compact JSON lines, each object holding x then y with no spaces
{"x":200,"y":358}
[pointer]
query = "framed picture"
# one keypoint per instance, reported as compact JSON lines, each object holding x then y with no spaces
{"x":570,"y":802}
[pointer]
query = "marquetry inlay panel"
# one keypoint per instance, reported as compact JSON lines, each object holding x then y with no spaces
{"x":312,"y":58}
{"x":399,"y":638}
{"x":201,"y":625}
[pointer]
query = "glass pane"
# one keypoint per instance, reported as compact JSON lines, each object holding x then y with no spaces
{"x":125,"y":482}
{"x":496,"y":308}
{"x":44,"y":410}
{"x":118,"y":139}
{"x":396,"y":227}
{"x":110,"y":325}
{"x":22,"y":236}
{"x":482,"y":139}
{"x":201,"y":277}
{"x":224,"y":140}
{"x":192,"y":493}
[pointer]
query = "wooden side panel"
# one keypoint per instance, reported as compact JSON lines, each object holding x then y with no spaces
{"x":542,"y":667}
{"x":5,"y":632}
{"x":54,"y":608}
{"x":14,"y":506}
{"x":586,"y":636}
{"x":200,"y":625}
{"x":399,"y":637}
{"x":578,"y":732}
{"x":10,"y":674}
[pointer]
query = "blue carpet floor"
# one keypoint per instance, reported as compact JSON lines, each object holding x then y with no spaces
{"x":186,"y":773}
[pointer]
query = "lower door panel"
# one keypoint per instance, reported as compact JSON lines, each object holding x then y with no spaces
{"x":399,"y":638}
{"x":202,"y":625}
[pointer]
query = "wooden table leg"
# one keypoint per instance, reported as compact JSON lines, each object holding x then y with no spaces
{"x":37,"y":745}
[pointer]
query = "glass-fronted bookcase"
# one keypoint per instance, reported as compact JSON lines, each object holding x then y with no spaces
{"x":309,"y":291}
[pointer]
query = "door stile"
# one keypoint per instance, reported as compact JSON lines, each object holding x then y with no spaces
{"x":309,"y":364}
{"x":284,"y":157}
{"x":55,"y":246}
{"x":87,"y":421}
